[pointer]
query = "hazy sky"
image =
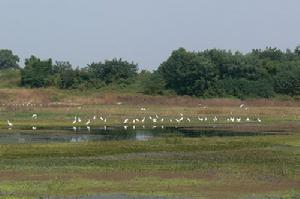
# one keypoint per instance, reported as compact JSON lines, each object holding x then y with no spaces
{"x":143,"y":31}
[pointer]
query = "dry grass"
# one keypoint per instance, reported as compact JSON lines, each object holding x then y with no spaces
{"x":55,"y":96}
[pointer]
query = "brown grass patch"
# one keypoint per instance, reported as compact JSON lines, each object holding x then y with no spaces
{"x":46,"y":96}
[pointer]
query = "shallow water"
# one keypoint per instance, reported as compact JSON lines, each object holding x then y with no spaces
{"x":108,"y":134}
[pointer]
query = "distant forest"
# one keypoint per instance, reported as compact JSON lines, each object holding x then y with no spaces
{"x":209,"y":73}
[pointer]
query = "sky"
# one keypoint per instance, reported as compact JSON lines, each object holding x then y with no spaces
{"x":143,"y":31}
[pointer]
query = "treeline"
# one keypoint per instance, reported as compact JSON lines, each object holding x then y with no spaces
{"x":210,"y":73}
{"x":261,"y":73}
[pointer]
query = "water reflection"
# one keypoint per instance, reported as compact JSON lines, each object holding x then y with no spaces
{"x":107,"y":133}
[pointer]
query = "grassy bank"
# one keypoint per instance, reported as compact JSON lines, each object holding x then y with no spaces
{"x":239,"y":167}
{"x":216,"y":167}
{"x":63,"y":116}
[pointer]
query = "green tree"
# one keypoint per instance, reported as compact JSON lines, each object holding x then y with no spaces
{"x":113,"y":71}
{"x":36,"y":72}
{"x":8,"y":59}
{"x":63,"y":74}
{"x":288,"y":81}
{"x":152,"y":83}
{"x":188,"y":73}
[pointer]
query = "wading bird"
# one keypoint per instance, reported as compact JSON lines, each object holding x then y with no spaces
{"x":88,"y":122}
{"x":215,"y":119}
{"x":9,"y":124}
{"x":75,"y":120}
{"x":259,"y":120}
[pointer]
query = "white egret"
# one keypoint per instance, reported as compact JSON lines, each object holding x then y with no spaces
{"x":232,"y":119}
{"x":259,"y":120}
{"x":143,"y":120}
{"x":75,"y":120}
{"x":9,"y":123}
{"x":34,"y":128}
{"x":88,"y":122}
{"x":125,"y":121}
{"x":215,"y":119}
{"x":34,"y":116}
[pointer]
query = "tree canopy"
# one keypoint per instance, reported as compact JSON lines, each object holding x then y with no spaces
{"x":8,"y":59}
{"x":209,"y":73}
{"x":36,"y":72}
{"x":221,"y":73}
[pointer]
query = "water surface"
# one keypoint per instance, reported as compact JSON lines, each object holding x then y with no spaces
{"x":109,"y":134}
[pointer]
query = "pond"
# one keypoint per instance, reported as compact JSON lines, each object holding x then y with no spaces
{"x":109,"y":134}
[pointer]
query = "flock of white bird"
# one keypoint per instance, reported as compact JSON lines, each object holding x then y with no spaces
{"x":154,"y":120}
